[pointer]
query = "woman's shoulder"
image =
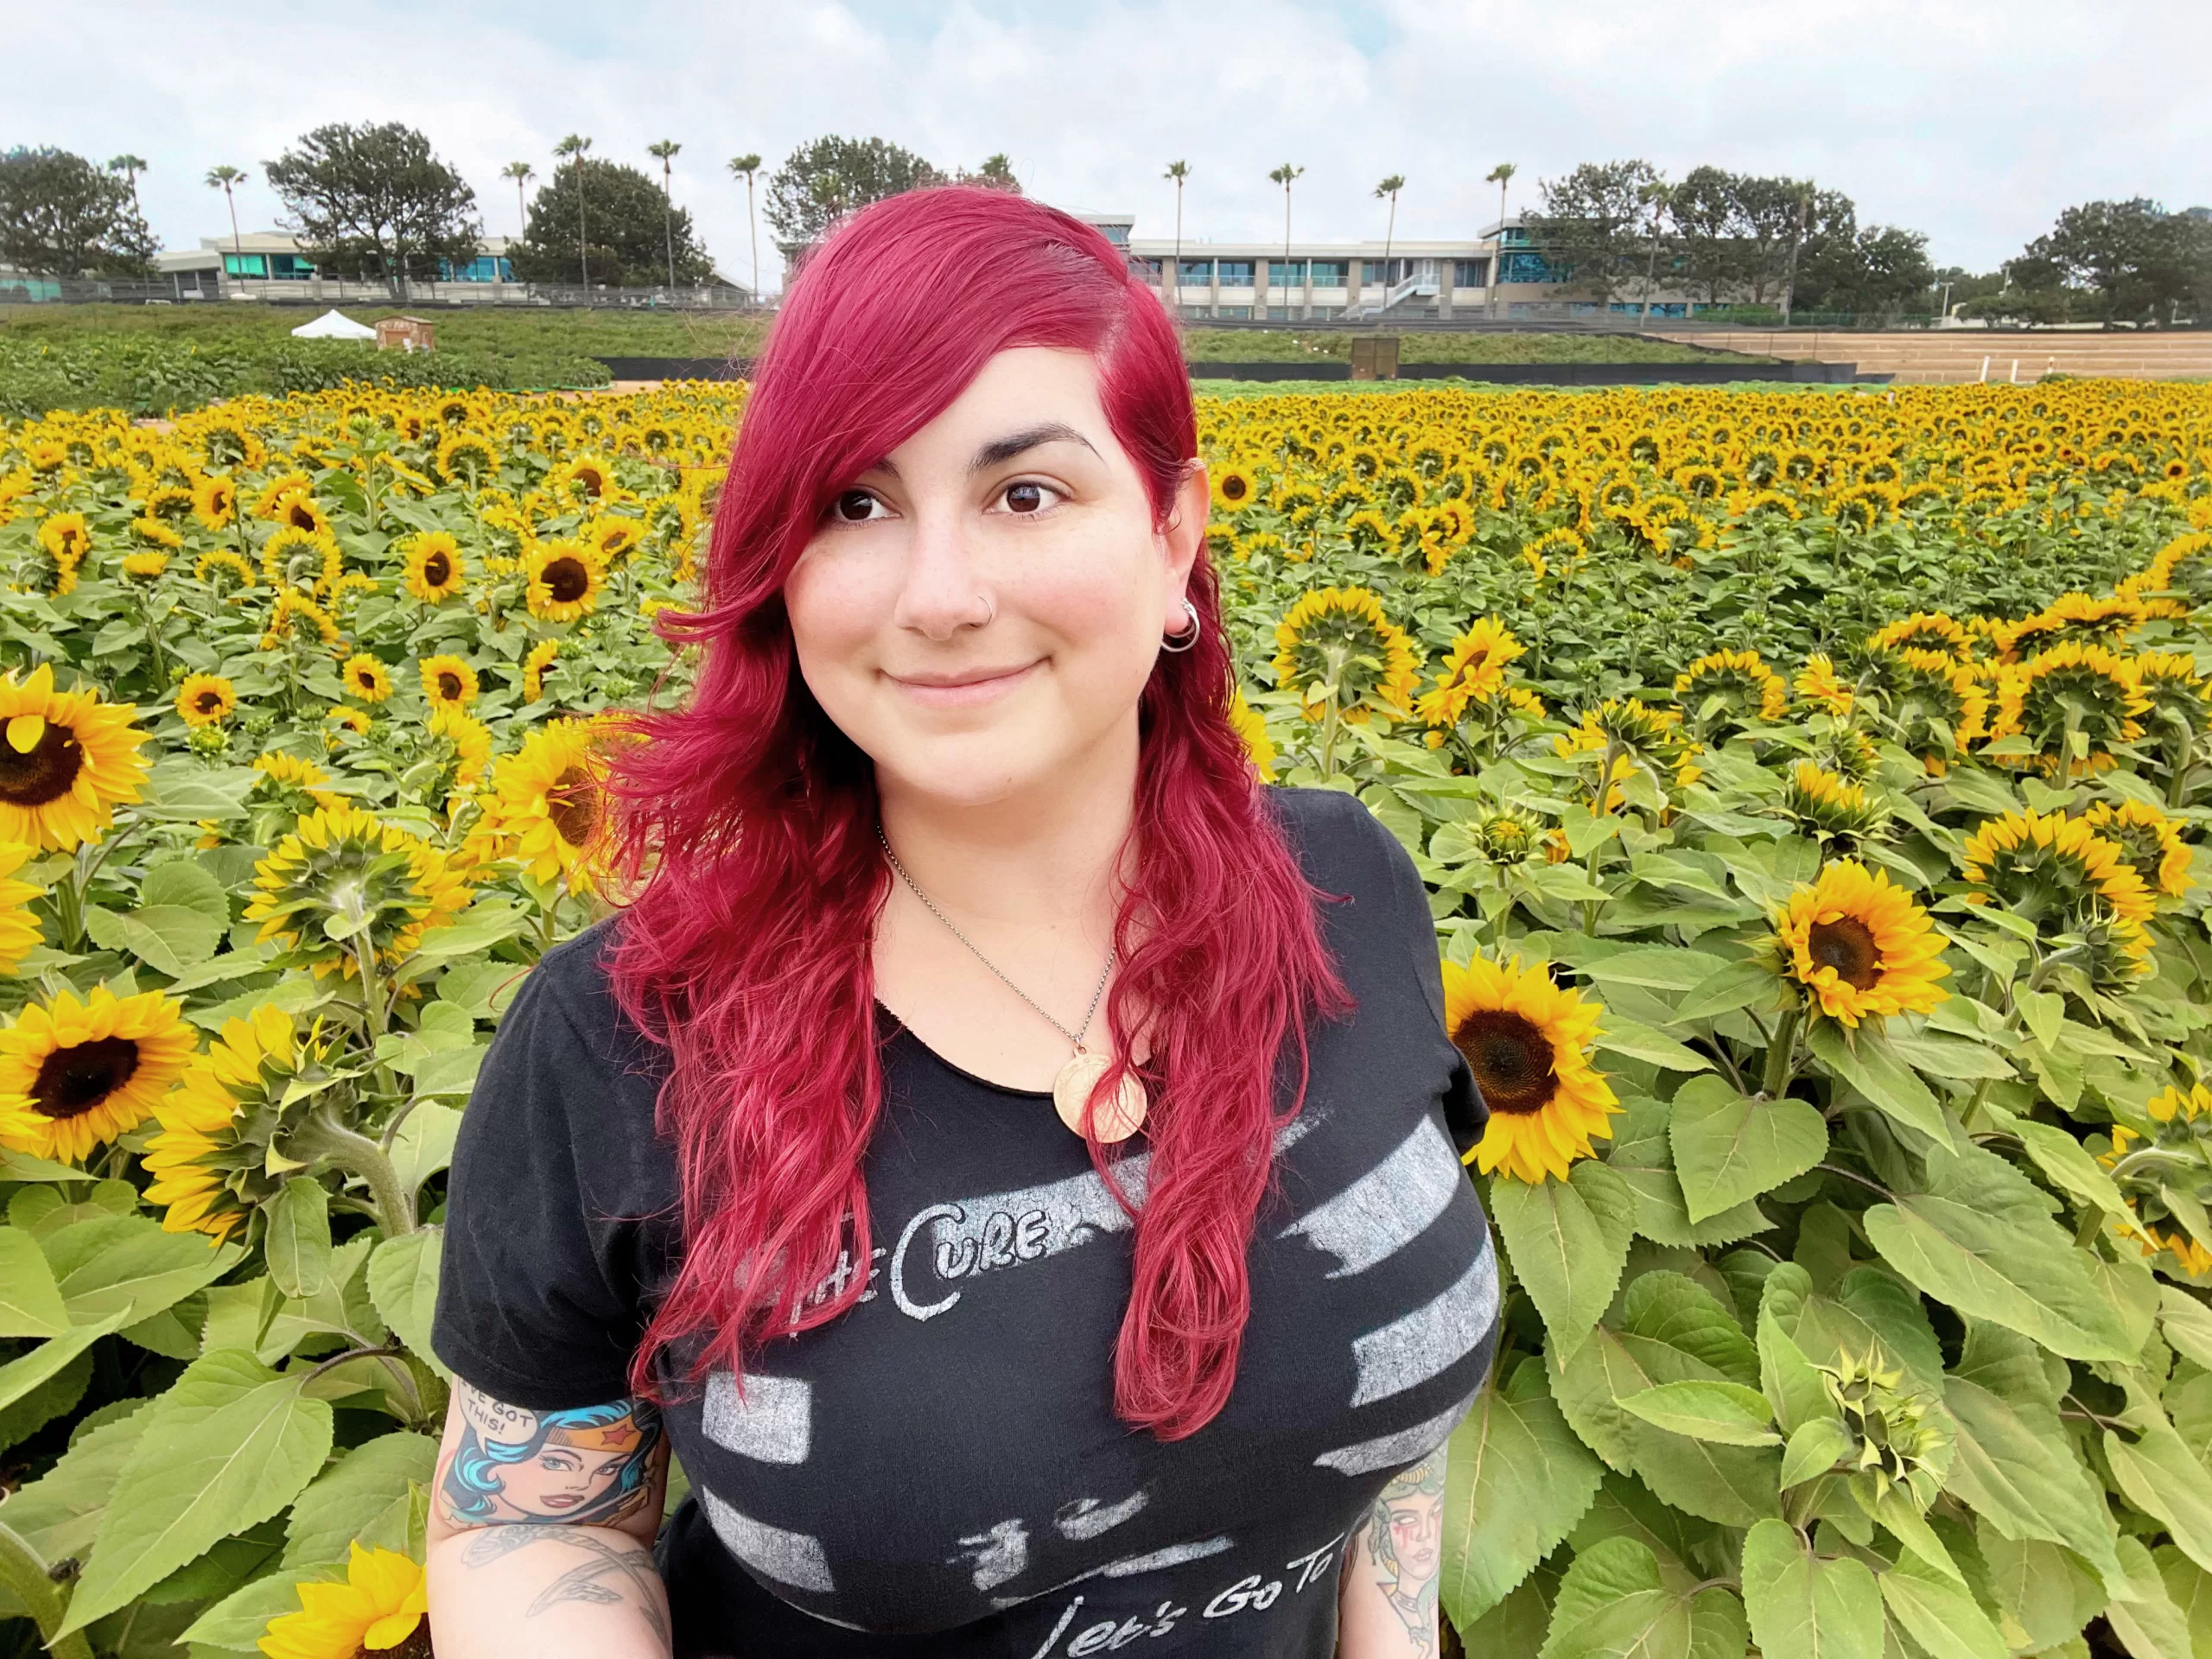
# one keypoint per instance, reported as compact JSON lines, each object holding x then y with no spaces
{"x":1342,"y":845}
{"x":567,"y":1002}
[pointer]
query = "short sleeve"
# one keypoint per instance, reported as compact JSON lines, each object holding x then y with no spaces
{"x":559,"y":1193}
{"x":1465,"y":1113}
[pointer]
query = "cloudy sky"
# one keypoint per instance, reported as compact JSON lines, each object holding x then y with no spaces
{"x":1973,"y":120}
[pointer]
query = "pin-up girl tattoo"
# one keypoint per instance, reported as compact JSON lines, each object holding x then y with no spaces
{"x":587,"y":1465}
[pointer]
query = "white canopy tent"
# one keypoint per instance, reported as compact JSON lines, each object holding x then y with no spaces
{"x":333,"y":325}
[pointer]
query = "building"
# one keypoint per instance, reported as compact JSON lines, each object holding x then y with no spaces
{"x":269,"y":264}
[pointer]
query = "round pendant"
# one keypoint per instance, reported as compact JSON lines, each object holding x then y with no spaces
{"x":1119,"y":1115}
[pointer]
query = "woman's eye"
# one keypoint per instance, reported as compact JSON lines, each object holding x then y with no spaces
{"x":855,"y":506}
{"x":1029,"y":496}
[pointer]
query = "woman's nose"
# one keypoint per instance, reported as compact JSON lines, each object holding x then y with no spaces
{"x":944,"y":590}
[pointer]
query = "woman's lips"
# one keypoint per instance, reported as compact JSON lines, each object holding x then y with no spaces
{"x":562,"y":1500}
{"x":964,"y":689}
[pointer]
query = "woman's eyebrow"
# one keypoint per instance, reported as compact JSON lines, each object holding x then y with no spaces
{"x":1006,"y":449}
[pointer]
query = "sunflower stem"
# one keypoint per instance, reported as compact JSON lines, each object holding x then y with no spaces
{"x":24,"y":1573}
{"x":324,"y":1137}
{"x":1781,"y":1055}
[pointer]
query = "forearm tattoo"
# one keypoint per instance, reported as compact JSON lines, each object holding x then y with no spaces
{"x":630,"y":1562}
{"x":1405,"y":1537}
{"x":591,"y":1467}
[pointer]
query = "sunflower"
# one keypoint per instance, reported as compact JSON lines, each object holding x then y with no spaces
{"x":294,"y":558}
{"x":1524,"y":1039}
{"x":270,"y":503}
{"x":344,"y":864}
{"x":1859,"y":946}
{"x":382,"y":1608}
{"x":1561,"y":543}
{"x":2176,"y":696}
{"x":448,"y":681}
{"x":1824,"y":804}
{"x":1817,"y":682}
{"x":1720,"y":691}
{"x":351,"y":719}
{"x":1474,"y":668}
{"x":1335,"y":646}
{"x":2149,"y":840}
{"x":2071,"y":693}
{"x":74,"y":1075}
{"x":564,"y":579}
{"x":299,"y":511}
{"x":2074,"y":618}
{"x":66,"y":760}
{"x":2046,"y":867}
{"x":291,"y":609}
{"x":534,"y":666}
{"x":549,"y":806}
{"x":435,"y":567}
{"x":2175,"y":1117}
{"x":295,"y":784}
{"x":1511,"y":836}
{"x":65,"y":538}
{"x":1253,"y":730}
{"x":1925,"y":631}
{"x":467,"y":457}
{"x":19,"y":926}
{"x":366,"y":677}
{"x":471,"y":740}
{"x":204,"y":699}
{"x":612,"y":538}
{"x":221,"y":559}
{"x":215,"y":500}
{"x":205,"y":1170}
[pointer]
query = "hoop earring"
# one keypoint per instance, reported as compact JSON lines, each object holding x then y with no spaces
{"x":1189,"y":636}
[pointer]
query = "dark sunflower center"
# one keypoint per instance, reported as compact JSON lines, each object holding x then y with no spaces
{"x":592,"y":481}
{"x":1845,"y":945}
{"x":417,"y":1646}
{"x":1511,"y":1059}
{"x":302,"y":516}
{"x":437,"y":569}
{"x":46,"y":774}
{"x":364,"y":680}
{"x":1233,"y":487}
{"x":572,"y":803}
{"x":209,"y":702}
{"x":566,"y":579}
{"x":74,"y":1080}
{"x":449,"y":685}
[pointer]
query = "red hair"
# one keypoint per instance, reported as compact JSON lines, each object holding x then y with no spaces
{"x":747,"y":951}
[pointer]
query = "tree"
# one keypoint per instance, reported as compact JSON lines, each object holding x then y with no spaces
{"x":521,"y":173}
{"x":1285,"y":175}
{"x":1882,"y":270}
{"x":374,"y":201}
{"x":1658,"y":201}
{"x":614,"y":220}
{"x":665,"y":152}
{"x":573,"y":147}
{"x":130,"y":167}
{"x":1500,"y":175}
{"x":1707,"y":214}
{"x":62,"y":216}
{"x":744,"y":167}
{"x":995,"y":174}
{"x":1178,"y":171}
{"x":2133,"y":261}
{"x":1389,"y":188}
{"x":822,"y":181}
{"x":1589,"y":231}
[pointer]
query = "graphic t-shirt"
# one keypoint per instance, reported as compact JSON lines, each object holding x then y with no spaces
{"x":939,"y":1471}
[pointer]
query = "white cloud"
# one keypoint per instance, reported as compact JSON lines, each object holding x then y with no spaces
{"x":1973,"y":120}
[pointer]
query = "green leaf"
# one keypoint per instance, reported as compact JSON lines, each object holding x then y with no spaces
{"x":188,"y":884}
{"x":59,"y":1514}
{"x":22,"y":1166}
{"x":1613,"y":1605}
{"x":2044,"y":1588}
{"x":1895,"y":1508}
{"x":1941,"y":1616}
{"x":1671,"y":1329}
{"x":299,"y":1237}
{"x":231,"y":1445}
{"x":2160,"y":1476}
{"x":169,"y":939}
{"x":1516,"y":1480}
{"x":483,"y":925}
{"x":127,"y":1265}
{"x":1660,"y":967}
{"x":1739,"y":985}
{"x":1729,"y":1148}
{"x":1618,"y":1035}
{"x":1727,"y":1413}
{"x":403,"y":1285}
{"x":2042,"y":1013}
{"x":1946,"y":1056}
{"x":2191,"y":1588}
{"x":1802,"y":1607}
{"x":2066,"y":1163}
{"x":182,"y":788}
{"x":1979,"y":1238}
{"x":2013,"y":1464}
{"x":1813,"y":1448}
{"x":1642,"y":1154}
{"x":2187,"y":1324}
{"x":425,"y":1141}
{"x":364,"y":1497}
{"x":1793,"y":1387}
{"x":1567,"y":1240}
{"x":2147,"y":1621}
{"x":1865,"y":1061}
{"x":240,"y":1619}
{"x":30,"y":1303}
{"x":19,"y":1376}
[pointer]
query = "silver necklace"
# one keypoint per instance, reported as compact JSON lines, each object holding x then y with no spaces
{"x":1114,"y":1118}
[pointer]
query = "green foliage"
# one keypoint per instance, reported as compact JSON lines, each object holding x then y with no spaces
{"x":627,"y":226}
{"x":374,"y":202}
{"x":62,"y":216}
{"x":826,"y":177}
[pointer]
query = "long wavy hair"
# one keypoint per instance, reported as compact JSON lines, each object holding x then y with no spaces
{"x":745,"y":823}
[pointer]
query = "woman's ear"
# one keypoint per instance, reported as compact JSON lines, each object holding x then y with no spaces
{"x":1183,"y":534}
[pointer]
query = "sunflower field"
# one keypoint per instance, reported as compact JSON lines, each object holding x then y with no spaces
{"x":1810,"y":787}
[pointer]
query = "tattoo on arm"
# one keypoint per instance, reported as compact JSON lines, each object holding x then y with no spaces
{"x":590,"y":1466}
{"x":587,"y":1582}
{"x":1405,"y":1536}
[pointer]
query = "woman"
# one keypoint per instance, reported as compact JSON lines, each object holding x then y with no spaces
{"x":955,"y":849}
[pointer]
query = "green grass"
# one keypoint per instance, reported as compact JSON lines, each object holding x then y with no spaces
{"x":492,"y":332}
{"x":1272,"y":346}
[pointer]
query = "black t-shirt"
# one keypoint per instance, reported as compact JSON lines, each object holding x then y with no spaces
{"x":939,"y":1472}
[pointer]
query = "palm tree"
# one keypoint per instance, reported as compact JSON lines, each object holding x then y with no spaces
{"x":744,"y":167}
{"x":664,"y":152}
{"x":130,"y":167}
{"x":1282,"y":176}
{"x":1500,"y":175}
{"x":521,"y":173}
{"x":222,"y":178}
{"x":1658,"y":198}
{"x":574,"y":147}
{"x":1389,"y":188}
{"x":1178,"y":171}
